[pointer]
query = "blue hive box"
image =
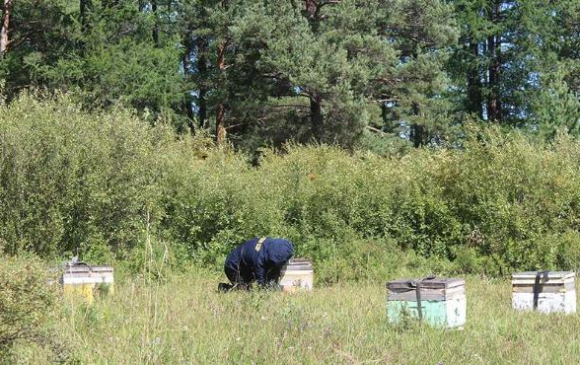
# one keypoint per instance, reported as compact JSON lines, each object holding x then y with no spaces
{"x":440,"y":302}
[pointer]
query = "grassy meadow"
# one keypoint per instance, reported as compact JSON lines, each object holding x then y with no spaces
{"x":185,"y":321}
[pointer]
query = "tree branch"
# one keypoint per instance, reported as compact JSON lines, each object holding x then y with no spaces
{"x":376,"y":130}
{"x":328,"y":2}
{"x":233,"y":126}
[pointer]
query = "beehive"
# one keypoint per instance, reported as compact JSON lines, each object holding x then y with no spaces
{"x":440,"y":302}
{"x":544,"y":291}
{"x":298,"y":274}
{"x":80,"y":279}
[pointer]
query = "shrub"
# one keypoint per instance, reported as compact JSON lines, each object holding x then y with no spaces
{"x":70,"y":180}
{"x":73,"y":182}
{"x":26,"y":301}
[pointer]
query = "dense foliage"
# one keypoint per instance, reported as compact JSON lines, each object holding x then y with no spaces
{"x":261,"y":73}
{"x":26,"y":303}
{"x":98,"y":184}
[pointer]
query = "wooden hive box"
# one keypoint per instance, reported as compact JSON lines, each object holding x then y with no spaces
{"x":440,"y":302}
{"x":544,"y":291}
{"x":297,"y":275}
{"x":83,"y":279}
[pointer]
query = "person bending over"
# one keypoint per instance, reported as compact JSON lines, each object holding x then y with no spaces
{"x":258,"y":259}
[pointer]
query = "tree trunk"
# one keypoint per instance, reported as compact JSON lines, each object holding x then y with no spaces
{"x":494,"y":102}
{"x":494,"y":111}
{"x":384,"y":117}
{"x":474,"y":84}
{"x":312,"y":13}
{"x":85,"y":6}
{"x":109,"y":3}
{"x":220,"y":121}
{"x":220,"y":125}
{"x":316,"y":117}
{"x":188,"y":111}
{"x":187,"y":102}
{"x":5,"y":27}
{"x":155,"y":24}
{"x":417,"y":135}
{"x":417,"y":130}
{"x":202,"y":74}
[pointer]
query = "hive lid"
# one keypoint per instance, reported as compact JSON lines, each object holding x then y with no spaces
{"x":435,"y":283}
{"x":82,"y":268}
{"x":544,"y":274}
{"x":430,"y":289}
{"x":543,"y":277}
{"x":300,"y":259}
{"x":299,"y":264}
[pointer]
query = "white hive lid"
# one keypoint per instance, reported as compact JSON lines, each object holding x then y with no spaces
{"x":549,"y":274}
{"x":299,"y":264}
{"x":81,"y":273}
{"x":544,"y":277}
{"x":83,"y":268}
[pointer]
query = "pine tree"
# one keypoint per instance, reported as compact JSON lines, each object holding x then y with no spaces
{"x":505,"y":48}
{"x":568,"y":23}
{"x":127,"y":56}
{"x":557,"y":109}
{"x":557,"y":105}
{"x":34,"y":34}
{"x":222,"y":66}
{"x":344,"y":57}
{"x":5,"y":26}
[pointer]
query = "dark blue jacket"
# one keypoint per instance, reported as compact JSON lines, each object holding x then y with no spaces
{"x":255,"y":259}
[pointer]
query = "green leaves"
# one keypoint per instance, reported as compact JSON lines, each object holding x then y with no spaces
{"x":26,"y":303}
{"x":345,"y":57}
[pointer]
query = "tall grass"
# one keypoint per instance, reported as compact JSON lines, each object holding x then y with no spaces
{"x":342,"y":324}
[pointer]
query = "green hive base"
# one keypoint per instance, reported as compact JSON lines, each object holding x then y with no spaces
{"x":443,"y":301}
{"x":439,"y":313}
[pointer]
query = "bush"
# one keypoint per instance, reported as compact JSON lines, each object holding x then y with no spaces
{"x":567,"y":250}
{"x":362,"y":260}
{"x":90,"y":183}
{"x":26,"y":301}
{"x":71,"y":180}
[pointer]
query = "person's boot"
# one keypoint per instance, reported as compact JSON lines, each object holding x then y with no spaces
{"x":272,"y":286}
{"x":224,"y":288}
{"x":243,"y":286}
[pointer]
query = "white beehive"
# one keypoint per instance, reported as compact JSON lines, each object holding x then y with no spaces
{"x":84,"y":279}
{"x":544,"y":291}
{"x":298,"y":274}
